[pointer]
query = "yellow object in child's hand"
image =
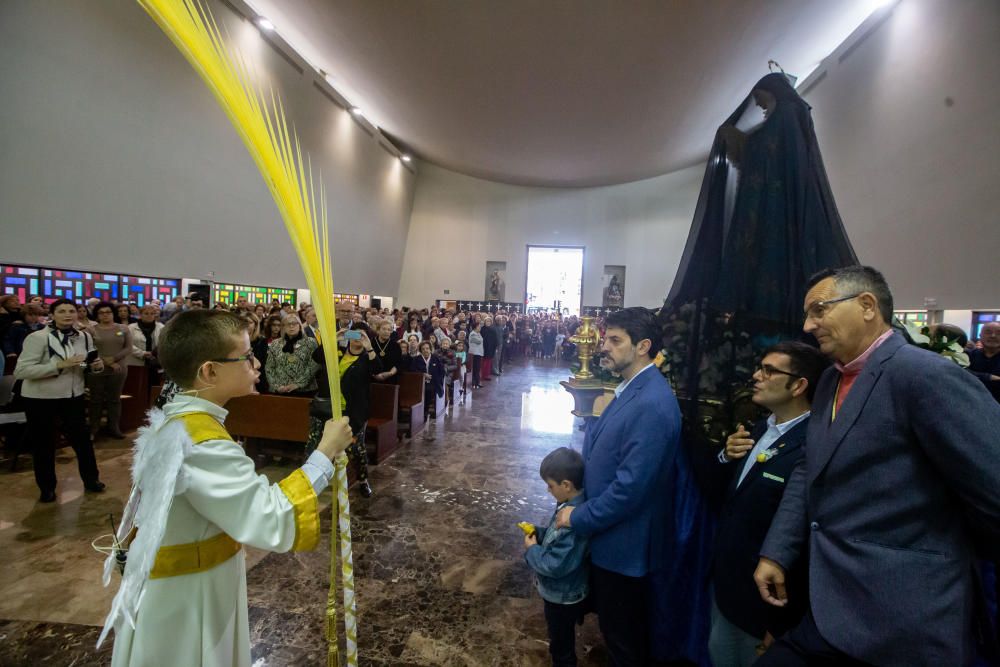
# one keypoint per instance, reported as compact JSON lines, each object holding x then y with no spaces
{"x":528,"y":528}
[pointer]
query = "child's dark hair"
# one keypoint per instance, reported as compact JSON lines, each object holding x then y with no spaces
{"x":563,"y":464}
{"x":193,"y":337}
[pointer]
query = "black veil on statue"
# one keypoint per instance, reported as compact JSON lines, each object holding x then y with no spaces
{"x":764,"y":223}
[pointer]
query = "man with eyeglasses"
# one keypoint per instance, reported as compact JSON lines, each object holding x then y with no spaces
{"x":751,"y":472}
{"x":985,"y":363}
{"x":898,"y":498}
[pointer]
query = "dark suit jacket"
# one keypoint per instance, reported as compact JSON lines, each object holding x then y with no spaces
{"x":490,"y":341}
{"x":890,"y":501}
{"x":629,"y":453}
{"x":743,"y":522}
{"x":434,"y":368}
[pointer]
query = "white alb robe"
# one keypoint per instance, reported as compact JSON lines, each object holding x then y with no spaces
{"x":201,"y":618}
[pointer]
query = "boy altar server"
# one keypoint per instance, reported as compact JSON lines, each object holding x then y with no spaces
{"x":196,"y":500}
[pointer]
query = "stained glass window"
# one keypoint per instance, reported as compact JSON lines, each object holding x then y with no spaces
{"x":21,"y":281}
{"x":231,"y":293}
{"x":142,"y":289}
{"x":52,"y":284}
{"x":353,"y":298}
{"x":914,"y":318}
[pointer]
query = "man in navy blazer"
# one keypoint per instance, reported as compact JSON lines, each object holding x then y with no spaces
{"x":628,"y":454}
{"x":751,"y":472}
{"x":899,"y":496}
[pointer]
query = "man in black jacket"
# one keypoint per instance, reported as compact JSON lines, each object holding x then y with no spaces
{"x":985,"y":363}
{"x":753,"y":467}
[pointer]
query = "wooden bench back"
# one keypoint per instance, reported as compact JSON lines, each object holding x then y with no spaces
{"x":269,"y":416}
{"x":383,"y":401}
{"x":411,"y":389}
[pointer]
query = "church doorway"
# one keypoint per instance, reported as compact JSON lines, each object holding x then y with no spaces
{"x":554,"y":279}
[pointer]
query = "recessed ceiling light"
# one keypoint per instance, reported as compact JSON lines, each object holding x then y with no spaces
{"x":264,"y":24}
{"x":405,"y":158}
{"x":357,"y":111}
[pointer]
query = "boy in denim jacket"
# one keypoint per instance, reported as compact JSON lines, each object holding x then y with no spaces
{"x":558,"y":557}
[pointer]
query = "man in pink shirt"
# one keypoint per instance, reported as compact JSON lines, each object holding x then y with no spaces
{"x":898,"y":498}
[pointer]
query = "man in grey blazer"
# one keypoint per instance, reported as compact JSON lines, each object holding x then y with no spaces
{"x":898,"y":497}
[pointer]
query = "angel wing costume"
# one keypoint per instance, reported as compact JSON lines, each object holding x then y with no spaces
{"x":196,"y":499}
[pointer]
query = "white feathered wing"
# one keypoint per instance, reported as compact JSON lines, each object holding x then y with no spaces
{"x":157,"y":476}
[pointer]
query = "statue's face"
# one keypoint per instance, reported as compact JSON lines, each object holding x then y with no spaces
{"x":765,"y":100}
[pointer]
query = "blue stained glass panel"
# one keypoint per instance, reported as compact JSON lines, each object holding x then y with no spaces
{"x":17,"y":281}
{"x":75,"y":274}
{"x":24,"y":271}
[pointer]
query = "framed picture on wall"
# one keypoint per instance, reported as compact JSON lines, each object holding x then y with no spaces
{"x":613,"y":286}
{"x":496,"y":280}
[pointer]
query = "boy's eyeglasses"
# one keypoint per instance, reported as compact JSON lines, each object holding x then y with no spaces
{"x":767,"y":370}
{"x":248,"y":357}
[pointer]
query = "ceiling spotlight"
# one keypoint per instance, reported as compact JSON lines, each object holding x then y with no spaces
{"x":357,"y":112}
{"x":264,"y":24}
{"x":405,"y":158}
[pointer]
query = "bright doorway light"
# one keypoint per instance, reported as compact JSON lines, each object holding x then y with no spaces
{"x":555,"y":279}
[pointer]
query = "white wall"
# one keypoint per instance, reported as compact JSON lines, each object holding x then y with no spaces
{"x":117,"y":157}
{"x":915,"y":180}
{"x":916,"y":177}
{"x":460,"y":222}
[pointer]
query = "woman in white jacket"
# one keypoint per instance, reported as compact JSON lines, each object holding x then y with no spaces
{"x":476,"y":350}
{"x":51,"y":366}
{"x":145,"y":342}
{"x":145,"y":336}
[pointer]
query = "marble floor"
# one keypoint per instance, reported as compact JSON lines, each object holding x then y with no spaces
{"x":438,"y":558}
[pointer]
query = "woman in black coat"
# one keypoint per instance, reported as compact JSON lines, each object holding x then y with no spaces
{"x":387,"y":353}
{"x":354,"y":386}
{"x":490,"y":342}
{"x":432,"y":368}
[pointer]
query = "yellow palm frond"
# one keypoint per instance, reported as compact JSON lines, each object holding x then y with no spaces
{"x":259,"y":118}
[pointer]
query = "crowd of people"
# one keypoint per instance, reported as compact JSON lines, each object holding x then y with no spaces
{"x":457,"y":351}
{"x":799,"y":510}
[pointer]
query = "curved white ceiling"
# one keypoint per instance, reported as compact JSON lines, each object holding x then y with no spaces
{"x":558,"y":93}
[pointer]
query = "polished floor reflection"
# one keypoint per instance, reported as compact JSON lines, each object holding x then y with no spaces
{"x":439,"y":571}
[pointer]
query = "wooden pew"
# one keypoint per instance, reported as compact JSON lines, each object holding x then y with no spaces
{"x":438,"y":409}
{"x":269,"y":417}
{"x":135,"y":398}
{"x":381,"y":433}
{"x":411,"y":403}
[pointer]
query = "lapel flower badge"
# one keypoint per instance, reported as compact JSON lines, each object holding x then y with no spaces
{"x":769,"y":454}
